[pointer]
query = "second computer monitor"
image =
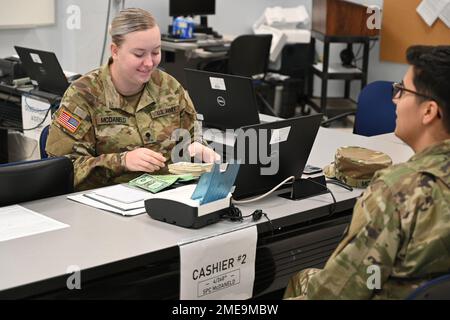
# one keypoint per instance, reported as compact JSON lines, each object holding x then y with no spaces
{"x":225,"y":101}
{"x":191,"y":7}
{"x":44,"y":68}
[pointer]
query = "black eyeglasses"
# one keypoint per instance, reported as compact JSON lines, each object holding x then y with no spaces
{"x":399,"y":88}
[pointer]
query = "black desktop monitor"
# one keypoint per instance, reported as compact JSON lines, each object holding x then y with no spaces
{"x":32,"y":180}
{"x":287,"y":142}
{"x":191,"y":7}
{"x":194,"y":8}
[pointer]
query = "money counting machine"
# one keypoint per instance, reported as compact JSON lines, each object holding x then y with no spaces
{"x":195,"y":206}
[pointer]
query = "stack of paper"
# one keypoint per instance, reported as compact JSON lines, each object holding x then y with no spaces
{"x":121,"y":199}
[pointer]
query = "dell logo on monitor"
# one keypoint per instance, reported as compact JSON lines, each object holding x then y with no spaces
{"x":221,"y":101}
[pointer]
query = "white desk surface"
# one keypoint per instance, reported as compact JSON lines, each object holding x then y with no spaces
{"x":96,"y":238}
{"x":328,"y":140}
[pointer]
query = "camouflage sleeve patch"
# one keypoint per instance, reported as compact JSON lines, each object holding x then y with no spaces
{"x":68,"y":121}
{"x":70,"y":124}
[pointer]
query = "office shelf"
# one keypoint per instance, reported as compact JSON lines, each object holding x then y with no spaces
{"x":337,"y":71}
{"x":328,"y":71}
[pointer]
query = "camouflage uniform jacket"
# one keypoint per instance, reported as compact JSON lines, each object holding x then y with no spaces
{"x":95,"y":124}
{"x":402,"y":225}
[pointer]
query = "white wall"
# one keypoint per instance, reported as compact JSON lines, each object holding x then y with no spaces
{"x":80,"y":50}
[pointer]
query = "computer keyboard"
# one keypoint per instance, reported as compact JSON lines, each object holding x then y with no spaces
{"x":50,"y":97}
{"x":220,"y":48}
{"x":210,"y":43}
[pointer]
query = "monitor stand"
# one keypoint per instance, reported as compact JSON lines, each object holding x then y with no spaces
{"x":305,"y":188}
{"x":203,"y":28}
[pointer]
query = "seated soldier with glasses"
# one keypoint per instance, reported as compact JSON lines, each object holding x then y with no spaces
{"x":399,"y":236}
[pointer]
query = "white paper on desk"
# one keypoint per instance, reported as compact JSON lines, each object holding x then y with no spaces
{"x":220,"y":267}
{"x":93,"y":203}
{"x":430,"y":10}
{"x":445,"y":14}
{"x":122,"y":193}
{"x":17,"y":221}
{"x":115,"y":204}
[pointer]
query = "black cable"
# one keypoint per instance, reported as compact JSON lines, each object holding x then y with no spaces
{"x":52,"y":107}
{"x":370,"y":49}
{"x":106,"y":32}
{"x":355,"y":59}
{"x":235,"y":214}
{"x":333,"y":206}
{"x":340,"y":184}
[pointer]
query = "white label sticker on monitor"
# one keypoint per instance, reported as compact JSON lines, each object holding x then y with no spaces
{"x":35,"y":57}
{"x":217,"y":83}
{"x":280,"y":135}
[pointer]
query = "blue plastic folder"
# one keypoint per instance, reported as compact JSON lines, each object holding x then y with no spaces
{"x":215,"y":185}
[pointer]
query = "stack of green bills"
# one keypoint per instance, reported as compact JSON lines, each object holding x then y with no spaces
{"x":195,"y":169}
{"x":156,"y":183}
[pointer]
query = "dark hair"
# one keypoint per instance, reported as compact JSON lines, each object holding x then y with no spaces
{"x":431,"y":66}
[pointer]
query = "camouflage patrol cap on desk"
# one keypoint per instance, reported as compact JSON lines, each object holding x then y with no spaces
{"x":356,"y":166}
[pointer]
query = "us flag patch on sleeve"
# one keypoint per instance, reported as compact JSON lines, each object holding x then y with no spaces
{"x":68,"y":121}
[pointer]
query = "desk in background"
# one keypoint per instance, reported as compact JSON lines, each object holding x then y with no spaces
{"x":179,"y":55}
{"x":11,"y":111}
{"x":10,"y":115}
{"x":138,"y":257}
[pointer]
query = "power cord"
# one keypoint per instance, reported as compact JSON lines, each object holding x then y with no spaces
{"x":340,"y":184}
{"x":265,"y":194}
{"x":333,"y":205}
{"x":235,"y":214}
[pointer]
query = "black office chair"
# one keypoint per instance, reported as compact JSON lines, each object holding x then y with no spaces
{"x":435,"y":289}
{"x":43,"y":141}
{"x":248,"y":56}
{"x":32,"y":180}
